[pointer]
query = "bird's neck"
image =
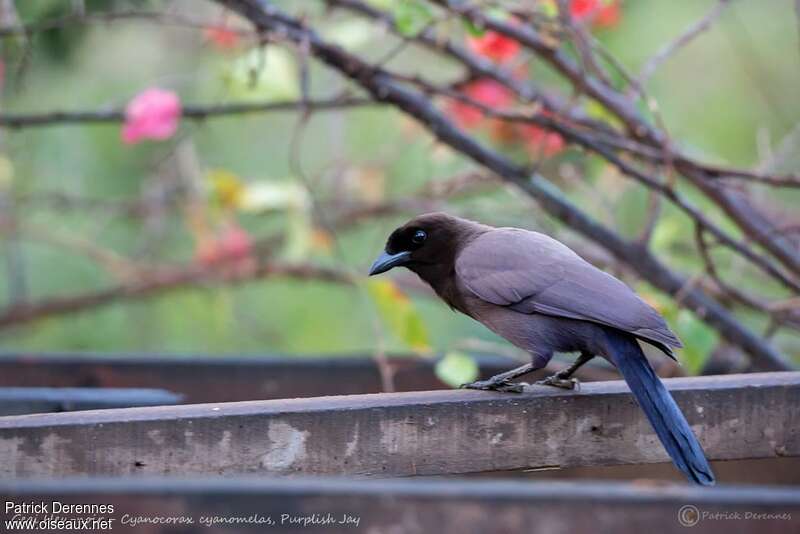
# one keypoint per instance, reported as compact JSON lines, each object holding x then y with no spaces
{"x":442,"y":279}
{"x":435,"y":274}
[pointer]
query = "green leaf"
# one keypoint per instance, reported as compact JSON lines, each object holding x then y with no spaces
{"x":399,"y":314}
{"x":698,"y":340}
{"x":381,"y":4}
{"x":668,"y":233}
{"x":549,"y":8}
{"x":598,"y":111}
{"x":227,"y":187}
{"x":473,"y":30}
{"x":456,"y":368}
{"x":263,"y":196}
{"x":411,"y":16}
{"x":298,"y":235}
{"x":263,"y":74}
{"x":6,"y":173}
{"x":350,"y":34}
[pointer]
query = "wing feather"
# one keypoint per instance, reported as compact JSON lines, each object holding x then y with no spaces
{"x":533,"y":273}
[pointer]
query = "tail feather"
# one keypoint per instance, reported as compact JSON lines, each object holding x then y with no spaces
{"x":666,"y":418}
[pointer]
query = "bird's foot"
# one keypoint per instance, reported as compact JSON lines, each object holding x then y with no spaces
{"x":496,"y":385}
{"x":557,"y":381}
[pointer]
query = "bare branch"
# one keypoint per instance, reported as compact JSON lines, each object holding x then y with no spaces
{"x":161,"y":282}
{"x":665,"y":190}
{"x":194,"y":112}
{"x":384,"y":87}
{"x":755,"y":224}
{"x":669,"y":49}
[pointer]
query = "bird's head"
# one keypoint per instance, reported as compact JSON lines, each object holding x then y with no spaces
{"x":426,"y":242}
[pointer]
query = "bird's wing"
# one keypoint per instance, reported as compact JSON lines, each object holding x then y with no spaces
{"x":533,"y":273}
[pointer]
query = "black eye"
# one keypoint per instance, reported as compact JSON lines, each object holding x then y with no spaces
{"x":419,"y":237}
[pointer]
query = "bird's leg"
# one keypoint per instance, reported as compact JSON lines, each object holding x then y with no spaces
{"x":502,"y":381}
{"x":563,"y":378}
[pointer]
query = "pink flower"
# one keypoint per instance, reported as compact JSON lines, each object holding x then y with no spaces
{"x":152,"y":114}
{"x":232,"y":244}
{"x":235,"y":243}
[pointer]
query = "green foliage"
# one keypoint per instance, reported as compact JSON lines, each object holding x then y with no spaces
{"x":456,"y":368}
{"x":399,"y":314}
{"x":411,"y":16}
{"x":264,"y":75}
{"x":698,"y":340}
{"x":474,"y":30}
{"x":350,"y":157}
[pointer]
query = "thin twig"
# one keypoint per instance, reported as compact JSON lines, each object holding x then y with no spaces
{"x":159,"y":283}
{"x":669,"y":49}
{"x":751,"y":221}
{"x":384,"y":87}
{"x":194,"y":112}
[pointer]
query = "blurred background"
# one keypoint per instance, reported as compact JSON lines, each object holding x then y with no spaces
{"x":121,"y":245}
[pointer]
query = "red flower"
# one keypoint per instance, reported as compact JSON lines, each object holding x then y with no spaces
{"x":581,"y":9}
{"x":222,"y":37}
{"x":600,"y":13}
{"x":487,"y":92}
{"x":494,"y":46}
{"x":540,"y":141}
{"x":608,"y":15}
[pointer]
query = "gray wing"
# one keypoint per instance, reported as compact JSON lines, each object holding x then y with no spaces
{"x":533,"y":273}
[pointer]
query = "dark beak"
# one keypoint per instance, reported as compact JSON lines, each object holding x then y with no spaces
{"x":387,"y":261}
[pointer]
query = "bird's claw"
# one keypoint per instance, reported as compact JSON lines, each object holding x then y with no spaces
{"x":555,"y":381}
{"x":505,"y":386}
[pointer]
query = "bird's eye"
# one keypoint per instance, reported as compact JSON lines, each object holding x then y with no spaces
{"x":419,"y":237}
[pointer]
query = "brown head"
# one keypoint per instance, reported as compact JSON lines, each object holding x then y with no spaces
{"x":427,"y":244}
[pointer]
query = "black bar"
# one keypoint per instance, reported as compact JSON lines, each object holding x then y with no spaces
{"x":18,"y":401}
{"x":422,"y":505}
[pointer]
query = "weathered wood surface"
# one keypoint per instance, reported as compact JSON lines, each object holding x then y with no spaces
{"x":422,"y":506}
{"x":228,"y":379}
{"x":424,"y":433}
{"x":17,"y":401}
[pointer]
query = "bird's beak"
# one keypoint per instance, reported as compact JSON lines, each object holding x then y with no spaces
{"x":387,"y":261}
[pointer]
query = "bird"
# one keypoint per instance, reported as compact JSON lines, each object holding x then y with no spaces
{"x":541,"y":296}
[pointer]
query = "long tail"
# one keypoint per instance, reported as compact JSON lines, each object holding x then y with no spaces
{"x":656,"y":402}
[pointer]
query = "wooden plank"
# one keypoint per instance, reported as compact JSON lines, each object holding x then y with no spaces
{"x":419,"y":506}
{"x":227,"y":379}
{"x":17,"y":401}
{"x":424,"y":433}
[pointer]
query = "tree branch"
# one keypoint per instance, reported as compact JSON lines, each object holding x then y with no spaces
{"x":161,"y":282}
{"x":194,"y":112}
{"x":669,"y":49}
{"x":757,"y":227}
{"x":384,"y":87}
